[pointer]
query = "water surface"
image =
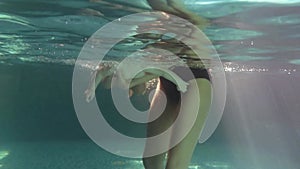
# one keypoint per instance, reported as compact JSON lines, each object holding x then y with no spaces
{"x":258,"y":43}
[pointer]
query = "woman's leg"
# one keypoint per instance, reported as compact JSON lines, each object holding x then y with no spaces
{"x":163,"y":122}
{"x":179,"y":157}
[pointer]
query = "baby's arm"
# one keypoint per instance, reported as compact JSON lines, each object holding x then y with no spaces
{"x":95,"y":80}
{"x":97,"y":77}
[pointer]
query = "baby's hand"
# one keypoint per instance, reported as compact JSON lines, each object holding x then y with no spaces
{"x":102,"y":72}
{"x":89,"y":94}
{"x":182,"y":86}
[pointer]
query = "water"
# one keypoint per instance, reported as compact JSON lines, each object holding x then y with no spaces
{"x":258,"y":43}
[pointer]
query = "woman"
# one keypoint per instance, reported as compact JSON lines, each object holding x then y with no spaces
{"x":180,"y":96}
{"x":179,"y":156}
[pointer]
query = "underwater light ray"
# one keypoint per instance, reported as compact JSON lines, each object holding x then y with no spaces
{"x":241,"y":118}
{"x":258,"y":123}
{"x":286,"y":124}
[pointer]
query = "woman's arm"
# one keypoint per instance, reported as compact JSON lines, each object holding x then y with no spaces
{"x":177,"y":7}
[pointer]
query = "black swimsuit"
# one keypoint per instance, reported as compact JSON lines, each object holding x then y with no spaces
{"x":185,"y":73}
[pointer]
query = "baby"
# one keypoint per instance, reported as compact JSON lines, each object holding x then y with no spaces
{"x":132,"y":72}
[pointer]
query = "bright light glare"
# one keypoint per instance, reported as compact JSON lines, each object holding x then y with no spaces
{"x":259,"y":1}
{"x":3,"y":154}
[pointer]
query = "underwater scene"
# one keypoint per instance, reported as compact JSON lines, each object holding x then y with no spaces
{"x":258,"y":46}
